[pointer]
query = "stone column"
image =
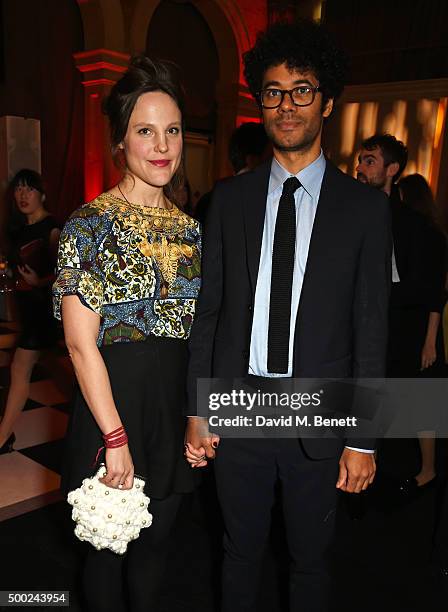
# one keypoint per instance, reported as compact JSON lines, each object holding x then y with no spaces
{"x":227,"y":102}
{"x":235,"y":106}
{"x":100,"y":68}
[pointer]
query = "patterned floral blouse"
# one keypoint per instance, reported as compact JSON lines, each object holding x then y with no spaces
{"x":138,"y":267}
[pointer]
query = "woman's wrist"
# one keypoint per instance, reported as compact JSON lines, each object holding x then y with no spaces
{"x":116,"y":438}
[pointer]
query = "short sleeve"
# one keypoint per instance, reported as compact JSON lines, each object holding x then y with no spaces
{"x":77,"y":268}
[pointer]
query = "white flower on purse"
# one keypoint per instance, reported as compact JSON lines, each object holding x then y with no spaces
{"x":106,"y":517}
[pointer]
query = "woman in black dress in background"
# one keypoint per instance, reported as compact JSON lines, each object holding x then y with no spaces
{"x":34,"y":243}
{"x":419,"y":302}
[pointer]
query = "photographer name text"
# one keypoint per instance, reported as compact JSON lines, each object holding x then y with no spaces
{"x":282,"y":421}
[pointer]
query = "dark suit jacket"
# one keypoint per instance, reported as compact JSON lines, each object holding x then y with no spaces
{"x":341,"y":328}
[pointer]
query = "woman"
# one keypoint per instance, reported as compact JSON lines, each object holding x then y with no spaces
{"x":128,"y":267}
{"x":419,"y":300}
{"x":34,"y":239}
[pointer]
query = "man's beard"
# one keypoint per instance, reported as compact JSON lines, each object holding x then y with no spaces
{"x":301,"y":146}
{"x":306,"y":141}
{"x":376,"y":181}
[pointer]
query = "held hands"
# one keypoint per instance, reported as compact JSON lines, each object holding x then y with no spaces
{"x":200,"y":444}
{"x":356,"y":471}
{"x":29,"y":275}
{"x":120,"y":469}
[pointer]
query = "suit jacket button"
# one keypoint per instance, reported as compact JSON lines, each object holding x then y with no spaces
{"x":250,"y":307}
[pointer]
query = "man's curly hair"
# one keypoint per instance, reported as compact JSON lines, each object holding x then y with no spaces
{"x":303,"y":46}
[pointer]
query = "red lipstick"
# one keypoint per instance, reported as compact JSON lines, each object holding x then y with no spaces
{"x":160,"y":163}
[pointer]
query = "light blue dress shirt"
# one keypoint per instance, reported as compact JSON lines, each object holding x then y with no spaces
{"x":306,"y":200}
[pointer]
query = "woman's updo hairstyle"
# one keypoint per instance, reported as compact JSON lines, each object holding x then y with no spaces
{"x":142,"y":76}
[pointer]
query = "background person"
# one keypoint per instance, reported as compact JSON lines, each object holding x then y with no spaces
{"x":33,"y":236}
{"x":423,"y":348}
{"x":418,"y":262}
{"x":249,"y":146}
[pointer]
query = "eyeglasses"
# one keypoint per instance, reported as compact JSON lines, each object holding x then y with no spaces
{"x":300,"y":96}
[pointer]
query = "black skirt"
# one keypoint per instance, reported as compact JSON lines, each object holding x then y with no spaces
{"x":38,"y":326}
{"x":148,"y":386}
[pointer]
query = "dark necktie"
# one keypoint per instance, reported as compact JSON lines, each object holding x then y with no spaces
{"x":283,"y":254}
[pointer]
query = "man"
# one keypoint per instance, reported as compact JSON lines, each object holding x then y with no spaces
{"x":417,"y":296}
{"x":248,"y":148}
{"x":333,"y":299}
{"x":381,"y":162}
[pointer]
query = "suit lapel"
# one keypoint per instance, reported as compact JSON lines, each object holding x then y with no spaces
{"x":325,"y":222}
{"x":254,"y":208}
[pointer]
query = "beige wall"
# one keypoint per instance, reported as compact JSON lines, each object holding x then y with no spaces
{"x":413,"y":111}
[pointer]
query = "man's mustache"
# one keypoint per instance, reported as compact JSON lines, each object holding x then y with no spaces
{"x":288,"y":120}
{"x":361,"y":177}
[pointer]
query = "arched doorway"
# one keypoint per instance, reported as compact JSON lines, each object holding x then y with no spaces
{"x":196,"y":55}
{"x":229,"y":44}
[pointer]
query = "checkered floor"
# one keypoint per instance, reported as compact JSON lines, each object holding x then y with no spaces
{"x":29,"y":476}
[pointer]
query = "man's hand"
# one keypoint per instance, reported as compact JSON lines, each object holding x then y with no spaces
{"x":356,"y":471}
{"x":200,"y":444}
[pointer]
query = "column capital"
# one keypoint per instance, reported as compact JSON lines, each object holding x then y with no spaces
{"x":248,"y":109}
{"x":101,"y":66}
{"x":101,"y":69}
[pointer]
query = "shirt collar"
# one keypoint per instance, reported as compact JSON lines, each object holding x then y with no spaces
{"x":310,"y":177}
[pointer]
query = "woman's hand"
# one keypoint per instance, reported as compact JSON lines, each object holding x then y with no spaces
{"x":429,"y":351}
{"x":200,"y":444}
{"x":429,"y":355}
{"x":120,"y":469}
{"x":195,"y":457}
{"x":29,"y":275}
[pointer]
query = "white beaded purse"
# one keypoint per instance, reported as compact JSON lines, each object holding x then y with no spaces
{"x":106,"y":517}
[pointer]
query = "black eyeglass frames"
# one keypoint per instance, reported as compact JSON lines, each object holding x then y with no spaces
{"x":302,"y":95}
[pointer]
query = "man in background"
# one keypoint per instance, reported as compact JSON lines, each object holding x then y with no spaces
{"x":381,"y":162}
{"x":248,"y":148}
{"x":417,"y":295}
